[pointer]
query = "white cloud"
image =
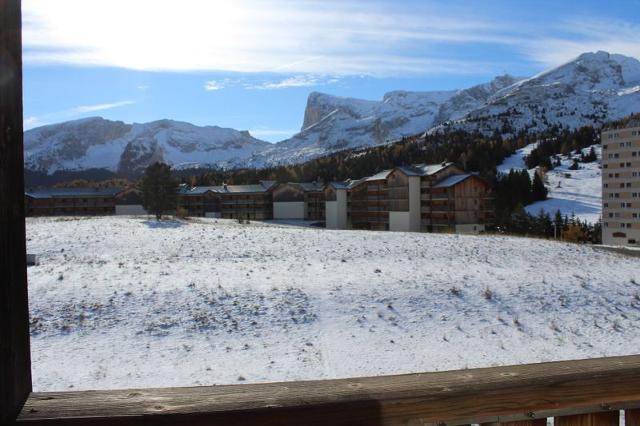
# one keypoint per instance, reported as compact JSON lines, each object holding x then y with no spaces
{"x":273,"y":135}
{"x":320,"y":37}
{"x":99,"y":107}
{"x":295,"y":81}
{"x":212,"y":85}
{"x":584,"y":35}
{"x":71,"y":113}
{"x":143,"y":87}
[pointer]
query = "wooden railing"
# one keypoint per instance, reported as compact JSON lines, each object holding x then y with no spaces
{"x":581,"y":393}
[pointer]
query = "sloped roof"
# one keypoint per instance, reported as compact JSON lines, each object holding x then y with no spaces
{"x":72,"y":192}
{"x":429,"y":169}
{"x":199,"y":190}
{"x":633,"y":123}
{"x":310,"y":186}
{"x":410,"y":170}
{"x":380,"y":175}
{"x":339,"y":184}
{"x":452,"y":180}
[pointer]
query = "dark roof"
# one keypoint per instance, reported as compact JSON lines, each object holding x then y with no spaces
{"x":345,"y":184}
{"x":72,"y":192}
{"x":452,"y":181}
{"x":263,"y":186}
{"x":200,"y":190}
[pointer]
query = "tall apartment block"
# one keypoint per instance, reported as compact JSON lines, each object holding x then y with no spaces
{"x":621,"y":185}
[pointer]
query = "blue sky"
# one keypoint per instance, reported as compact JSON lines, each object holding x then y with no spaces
{"x":250,"y":64}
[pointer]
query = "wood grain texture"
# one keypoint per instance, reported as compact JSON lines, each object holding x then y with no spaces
{"x":484,"y":395}
{"x":15,"y":363}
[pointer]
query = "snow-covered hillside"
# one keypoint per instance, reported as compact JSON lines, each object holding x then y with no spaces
{"x":129,"y":148}
{"x":127,"y":302}
{"x":593,"y":88}
{"x":574,"y":192}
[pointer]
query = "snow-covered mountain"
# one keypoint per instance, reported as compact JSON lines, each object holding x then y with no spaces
{"x":333,"y":123}
{"x":591,"y":89}
{"x":129,"y":148}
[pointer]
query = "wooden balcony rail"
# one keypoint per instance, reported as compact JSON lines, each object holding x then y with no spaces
{"x":585,"y":392}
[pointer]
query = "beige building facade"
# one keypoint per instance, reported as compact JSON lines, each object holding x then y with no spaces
{"x":621,"y":185}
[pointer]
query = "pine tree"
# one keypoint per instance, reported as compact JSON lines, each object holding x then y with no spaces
{"x":159,"y":190}
{"x":538,"y":190}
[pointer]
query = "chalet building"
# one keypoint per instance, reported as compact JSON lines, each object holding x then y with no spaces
{"x":303,"y":201}
{"x":369,"y":203}
{"x":71,"y":201}
{"x":203,"y":201}
{"x":419,"y":198}
{"x":253,"y":202}
{"x":621,"y":185}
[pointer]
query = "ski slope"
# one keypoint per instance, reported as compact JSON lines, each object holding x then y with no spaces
{"x":574,"y":192}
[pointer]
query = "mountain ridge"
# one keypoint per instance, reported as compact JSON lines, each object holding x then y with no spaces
{"x":590,"y":89}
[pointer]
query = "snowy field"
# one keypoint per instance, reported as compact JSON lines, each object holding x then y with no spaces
{"x":573,"y":192}
{"x":127,"y":302}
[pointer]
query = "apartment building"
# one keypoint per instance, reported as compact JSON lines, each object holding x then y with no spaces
{"x":71,"y":201}
{"x":621,"y":185}
{"x":418,"y":198}
{"x":296,"y":200}
{"x":253,"y":201}
{"x":203,"y":201}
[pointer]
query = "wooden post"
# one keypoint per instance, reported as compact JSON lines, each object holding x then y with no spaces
{"x":605,"y":418}
{"x":632,"y":417}
{"x":15,"y":362}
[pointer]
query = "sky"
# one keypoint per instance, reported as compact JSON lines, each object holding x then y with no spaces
{"x":250,"y":64}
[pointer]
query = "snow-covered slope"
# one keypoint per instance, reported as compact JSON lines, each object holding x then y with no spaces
{"x":574,"y":192}
{"x":593,"y":88}
{"x":129,"y":148}
{"x":126,"y":303}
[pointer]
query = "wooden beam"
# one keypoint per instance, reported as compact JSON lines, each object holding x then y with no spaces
{"x":501,"y":394}
{"x":15,"y":363}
